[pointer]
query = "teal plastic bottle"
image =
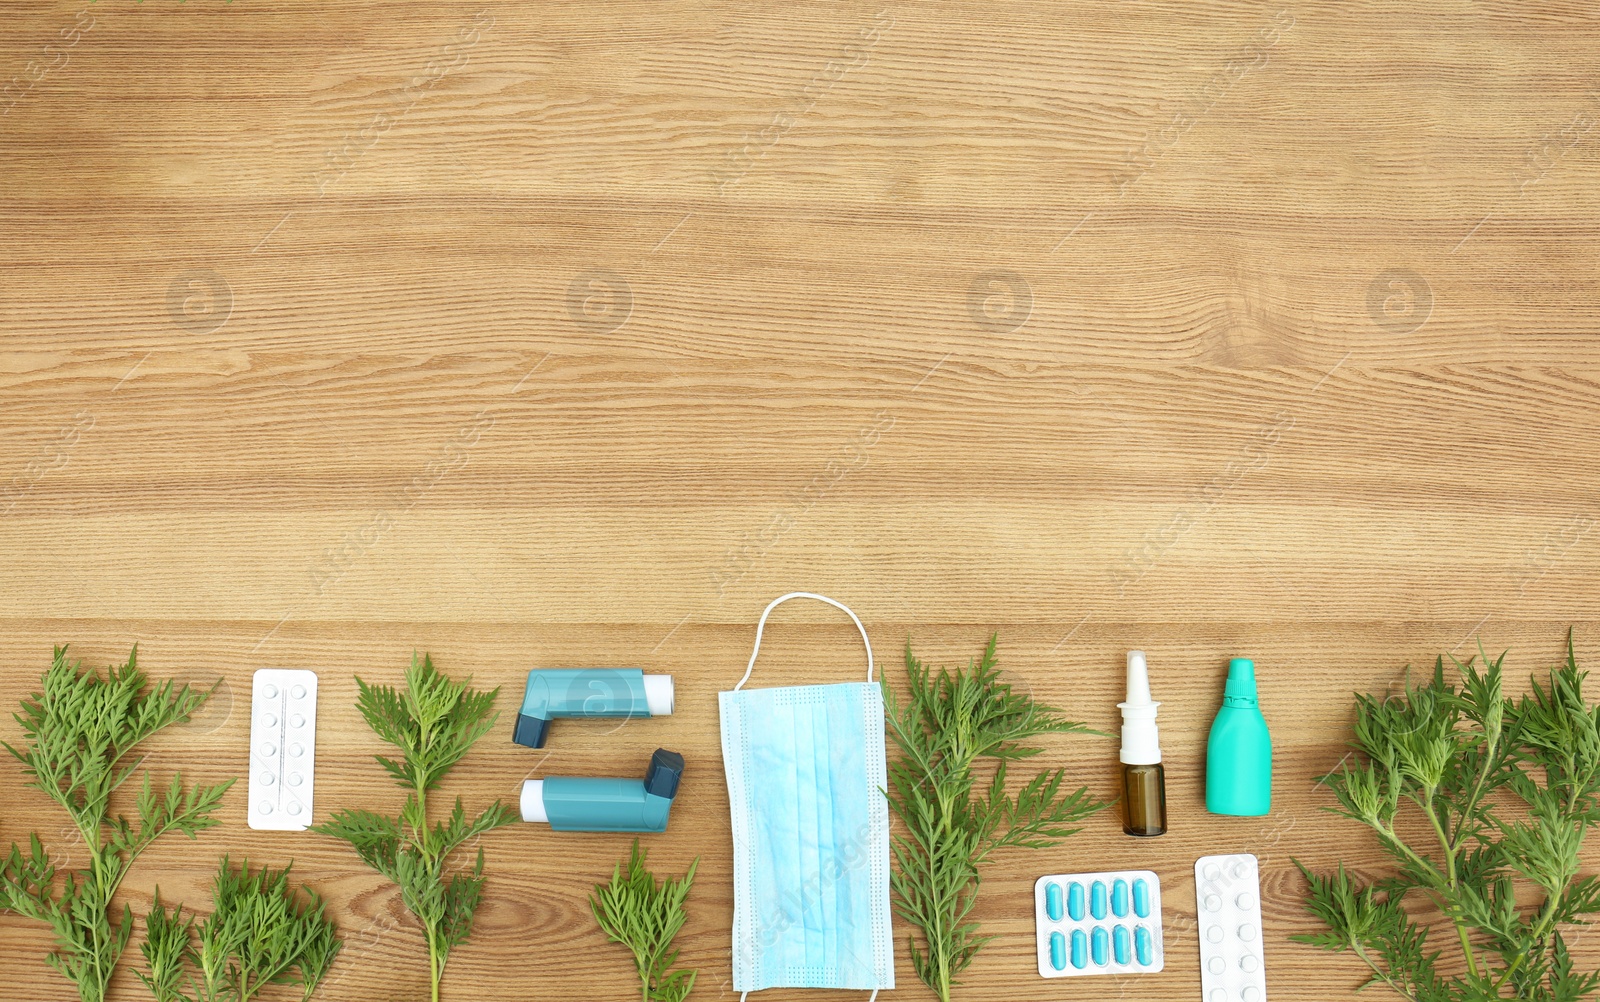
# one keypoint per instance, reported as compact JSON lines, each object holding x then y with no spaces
{"x":1239,"y":751}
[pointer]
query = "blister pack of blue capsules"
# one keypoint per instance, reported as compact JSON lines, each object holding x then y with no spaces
{"x":1098,"y":923}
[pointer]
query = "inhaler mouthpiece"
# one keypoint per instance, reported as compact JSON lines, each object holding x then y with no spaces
{"x":1141,"y":742}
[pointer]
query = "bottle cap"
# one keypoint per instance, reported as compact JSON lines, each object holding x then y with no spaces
{"x":1241,"y":687}
{"x":1141,"y":742}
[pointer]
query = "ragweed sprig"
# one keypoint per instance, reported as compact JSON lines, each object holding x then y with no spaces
{"x":953,"y":724}
{"x":1508,"y":789}
{"x":261,"y":931}
{"x":644,"y":915}
{"x":434,"y":722}
{"x":80,"y":731}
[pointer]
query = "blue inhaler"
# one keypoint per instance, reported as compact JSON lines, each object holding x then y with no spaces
{"x":580,"y":804}
{"x":588,"y":692}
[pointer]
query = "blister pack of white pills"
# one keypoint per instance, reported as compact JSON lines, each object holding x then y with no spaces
{"x":1098,"y":923}
{"x":1228,"y":895}
{"x":283,"y":748}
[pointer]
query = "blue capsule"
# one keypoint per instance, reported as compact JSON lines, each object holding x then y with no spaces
{"x":1052,"y":901}
{"x":1097,"y":900}
{"x":1141,"y":945}
{"x":1141,"y":898}
{"x":1098,"y":944}
{"x":1119,"y":897}
{"x":1075,"y":901}
{"x":1058,"y":951}
{"x":1080,"y":950}
{"x":1120,"y":947}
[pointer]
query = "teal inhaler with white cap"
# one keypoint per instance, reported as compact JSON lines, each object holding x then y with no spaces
{"x":584,"y":804}
{"x":588,"y":692}
{"x":1239,"y":751}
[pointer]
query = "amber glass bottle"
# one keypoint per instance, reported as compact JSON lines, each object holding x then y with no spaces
{"x":1144,"y":800}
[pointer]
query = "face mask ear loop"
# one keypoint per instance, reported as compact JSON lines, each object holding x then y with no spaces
{"x":802,"y":594}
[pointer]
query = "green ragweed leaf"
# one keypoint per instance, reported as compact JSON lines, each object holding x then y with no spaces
{"x":434,"y":721}
{"x":949,"y":727}
{"x":1508,"y":789}
{"x":644,"y":914}
{"x":80,"y":733}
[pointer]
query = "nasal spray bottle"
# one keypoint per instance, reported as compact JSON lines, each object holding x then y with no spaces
{"x":1144,"y":785}
{"x":1239,"y":751}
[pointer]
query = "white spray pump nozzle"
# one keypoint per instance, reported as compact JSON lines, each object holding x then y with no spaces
{"x":1141,"y":742}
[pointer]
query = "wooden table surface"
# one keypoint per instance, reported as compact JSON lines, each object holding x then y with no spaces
{"x":570,"y":334}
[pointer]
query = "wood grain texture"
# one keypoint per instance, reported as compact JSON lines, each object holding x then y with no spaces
{"x":570,"y":334}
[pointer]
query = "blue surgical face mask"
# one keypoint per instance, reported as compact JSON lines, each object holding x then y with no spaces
{"x":805,"y":769}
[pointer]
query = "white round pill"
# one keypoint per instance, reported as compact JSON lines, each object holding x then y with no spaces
{"x":1214,"y":934}
{"x":1216,"y":965}
{"x":1213,"y":902}
{"x":1213,"y":871}
{"x":269,"y":750}
{"x":1248,"y":963}
{"x":1218,"y":995}
{"x":268,"y":720}
{"x":1239,"y":869}
{"x":1250,"y":994}
{"x":265,"y":779}
{"x":298,"y":692}
{"x":270,"y":691}
{"x":294,"y":779}
{"x":1247,"y":932}
{"x":294,"y":808}
{"x":264,"y":807}
{"x":296,"y":751}
{"x":1247,"y":901}
{"x":297,"y":721}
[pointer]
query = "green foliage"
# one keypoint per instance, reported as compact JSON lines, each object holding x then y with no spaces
{"x":644,"y":916}
{"x":261,"y":931}
{"x":79,"y":733}
{"x":434,"y":722}
{"x":1506,"y":790}
{"x":953,"y":823}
